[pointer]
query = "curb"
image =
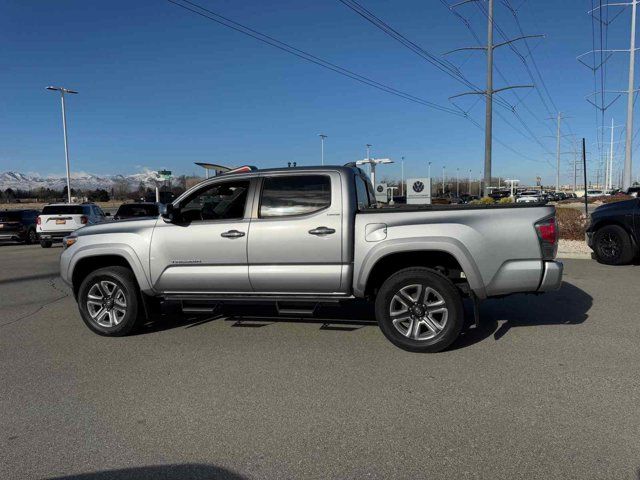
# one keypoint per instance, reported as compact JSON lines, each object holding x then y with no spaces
{"x":574,"y":255}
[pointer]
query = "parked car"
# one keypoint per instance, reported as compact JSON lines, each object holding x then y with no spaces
{"x":466,"y":198}
{"x":633,"y":191}
{"x":498,"y":195}
{"x":19,"y":225}
{"x":594,"y":193}
{"x":305,"y":236}
{"x":529,"y":196}
{"x":60,"y":219}
{"x":137,"y":210}
{"x":614,"y":232}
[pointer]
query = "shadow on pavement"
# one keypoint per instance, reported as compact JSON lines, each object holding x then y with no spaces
{"x":189,"y":471}
{"x":28,"y":278}
{"x":349,"y":316}
{"x":567,"y":306}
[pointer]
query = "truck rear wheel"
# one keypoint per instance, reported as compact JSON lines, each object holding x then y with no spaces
{"x":419,"y":310}
{"x":612,"y":246}
{"x":45,"y":243}
{"x":108,"y":300}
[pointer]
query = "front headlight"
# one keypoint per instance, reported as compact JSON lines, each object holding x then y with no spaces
{"x":68,"y":241}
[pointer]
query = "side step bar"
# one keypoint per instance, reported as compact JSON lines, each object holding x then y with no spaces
{"x":296,"y":309}
{"x":302,"y":306}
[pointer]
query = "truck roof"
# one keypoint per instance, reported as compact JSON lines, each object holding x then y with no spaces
{"x":332,"y":168}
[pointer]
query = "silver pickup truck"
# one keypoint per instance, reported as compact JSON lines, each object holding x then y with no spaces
{"x":300,"y":237}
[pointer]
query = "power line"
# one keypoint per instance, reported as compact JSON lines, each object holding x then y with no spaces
{"x":444,"y":66}
{"x":520,"y":100}
{"x":233,"y":25}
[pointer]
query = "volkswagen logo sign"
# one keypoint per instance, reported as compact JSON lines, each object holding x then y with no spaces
{"x":380,"y":188}
{"x":418,"y":186}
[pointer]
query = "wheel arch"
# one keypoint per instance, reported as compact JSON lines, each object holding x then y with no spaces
{"x":90,"y":258}
{"x":607,"y":222}
{"x":386,"y":261}
{"x":91,"y":263}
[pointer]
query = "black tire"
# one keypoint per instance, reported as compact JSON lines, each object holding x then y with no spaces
{"x":448,"y":330}
{"x":123,"y":279}
{"x":31,"y":237}
{"x":46,"y":243}
{"x":612,"y":246}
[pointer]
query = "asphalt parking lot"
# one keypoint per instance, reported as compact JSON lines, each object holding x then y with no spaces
{"x":548,"y":387}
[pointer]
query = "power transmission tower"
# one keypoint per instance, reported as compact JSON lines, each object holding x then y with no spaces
{"x":489,"y":91}
{"x":558,"y":118}
{"x":608,"y":161}
{"x":626,"y":175}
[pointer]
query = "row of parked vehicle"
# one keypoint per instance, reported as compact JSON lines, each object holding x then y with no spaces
{"x":58,"y":220}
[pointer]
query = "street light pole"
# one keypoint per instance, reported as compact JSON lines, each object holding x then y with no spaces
{"x":443,"y":174}
{"x":322,"y":137}
{"x":402,"y":175}
{"x":458,"y":182}
{"x":64,"y":131}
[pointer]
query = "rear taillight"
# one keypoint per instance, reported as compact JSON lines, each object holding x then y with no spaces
{"x":547,"y":230}
{"x":84,"y":219}
{"x":38,"y":220}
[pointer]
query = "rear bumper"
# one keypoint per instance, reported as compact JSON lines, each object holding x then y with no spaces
{"x":552,"y":276}
{"x":55,"y":236}
{"x":11,"y":236}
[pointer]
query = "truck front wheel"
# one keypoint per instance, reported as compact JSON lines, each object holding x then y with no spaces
{"x":419,"y":310}
{"x":108,"y":300}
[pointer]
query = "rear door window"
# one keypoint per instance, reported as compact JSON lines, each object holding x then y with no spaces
{"x":284,"y":196}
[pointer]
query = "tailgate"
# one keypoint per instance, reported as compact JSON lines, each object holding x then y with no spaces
{"x":62,"y":222}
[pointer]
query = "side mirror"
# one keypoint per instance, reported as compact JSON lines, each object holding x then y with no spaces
{"x":169,"y":212}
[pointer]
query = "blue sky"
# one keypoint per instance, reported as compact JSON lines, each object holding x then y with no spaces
{"x":162,"y":87}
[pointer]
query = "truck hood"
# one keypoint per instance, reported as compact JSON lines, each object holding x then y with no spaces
{"x":132,"y":225}
{"x":615,"y":206}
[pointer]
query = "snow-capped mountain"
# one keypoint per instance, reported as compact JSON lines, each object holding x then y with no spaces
{"x":83,"y":181}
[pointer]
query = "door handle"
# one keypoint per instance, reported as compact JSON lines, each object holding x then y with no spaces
{"x":232,"y":234}
{"x":322,"y":231}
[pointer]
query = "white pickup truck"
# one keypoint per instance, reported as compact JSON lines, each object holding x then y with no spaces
{"x":60,"y":219}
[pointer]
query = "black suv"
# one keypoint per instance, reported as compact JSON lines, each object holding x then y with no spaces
{"x":19,"y":225}
{"x":614,"y":232}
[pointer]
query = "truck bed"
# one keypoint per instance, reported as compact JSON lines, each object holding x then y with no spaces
{"x":454,"y":206}
{"x":496,"y":246}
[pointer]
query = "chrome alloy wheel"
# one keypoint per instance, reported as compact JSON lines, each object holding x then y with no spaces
{"x":418,"y":312}
{"x":106,"y":303}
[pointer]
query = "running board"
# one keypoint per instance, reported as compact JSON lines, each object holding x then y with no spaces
{"x":255,"y":298}
{"x":296,"y":309}
{"x":199,"y":307}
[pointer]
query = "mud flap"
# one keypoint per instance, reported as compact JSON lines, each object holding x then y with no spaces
{"x":476,"y":310}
